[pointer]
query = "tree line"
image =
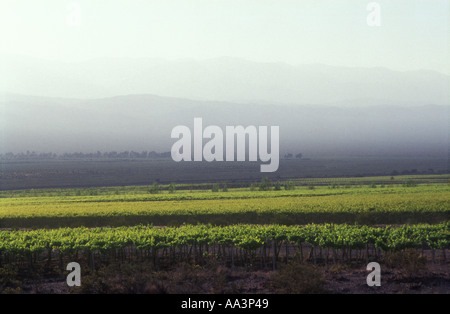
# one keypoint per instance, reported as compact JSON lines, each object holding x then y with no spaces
{"x":80,"y":155}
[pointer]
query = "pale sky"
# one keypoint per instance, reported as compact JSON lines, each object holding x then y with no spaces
{"x":414,"y":34}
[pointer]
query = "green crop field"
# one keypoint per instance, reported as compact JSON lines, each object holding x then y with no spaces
{"x":341,"y":221}
{"x":193,"y":241}
{"x":427,"y":203}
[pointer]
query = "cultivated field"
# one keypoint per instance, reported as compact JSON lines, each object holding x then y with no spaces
{"x":390,"y":204}
{"x":314,"y":227}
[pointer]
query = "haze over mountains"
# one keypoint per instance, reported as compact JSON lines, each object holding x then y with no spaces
{"x":224,"y":79}
{"x":133,"y":104}
{"x":144,"y":122}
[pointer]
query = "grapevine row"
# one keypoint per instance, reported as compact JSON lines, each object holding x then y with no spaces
{"x":238,"y":242}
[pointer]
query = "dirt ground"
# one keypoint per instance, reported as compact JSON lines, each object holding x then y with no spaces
{"x":338,"y":279}
{"x":436,"y":280}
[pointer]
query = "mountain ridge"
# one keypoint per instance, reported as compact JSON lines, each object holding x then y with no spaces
{"x":223,"y":79}
{"x":144,"y":122}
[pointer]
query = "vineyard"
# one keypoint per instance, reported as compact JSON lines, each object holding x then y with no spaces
{"x":392,"y":205}
{"x":237,"y":244}
{"x":239,"y":227}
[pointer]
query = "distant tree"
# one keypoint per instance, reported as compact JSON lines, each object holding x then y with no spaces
{"x":289,"y":185}
{"x":265,"y":184}
{"x":172,"y":187}
{"x":154,"y":189}
{"x":299,"y":156}
{"x":225,"y":188}
{"x":409,"y":183}
{"x":215,"y":187}
{"x":277,"y":186}
{"x":288,"y":156}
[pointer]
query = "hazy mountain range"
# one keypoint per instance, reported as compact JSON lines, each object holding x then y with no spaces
{"x":223,"y":79}
{"x":111,"y":105}
{"x":144,"y":122}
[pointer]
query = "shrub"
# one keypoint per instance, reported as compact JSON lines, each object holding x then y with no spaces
{"x":289,"y":185}
{"x":408,"y":261}
{"x":409,"y":183}
{"x":265,"y":185}
{"x":8,"y":280}
{"x":172,"y":188}
{"x":277,"y":186}
{"x":154,"y":189}
{"x":215,"y":187}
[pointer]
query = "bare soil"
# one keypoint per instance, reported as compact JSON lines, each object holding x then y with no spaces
{"x":339,"y":279}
